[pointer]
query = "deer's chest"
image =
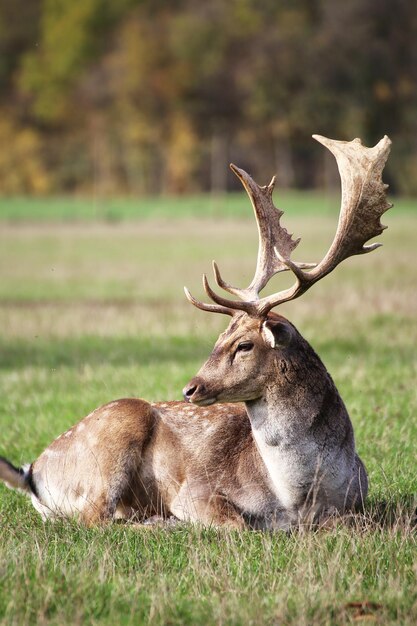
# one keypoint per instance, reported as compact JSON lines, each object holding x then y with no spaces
{"x":291,"y":469}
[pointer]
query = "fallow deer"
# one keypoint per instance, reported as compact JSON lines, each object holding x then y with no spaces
{"x":286,"y":455}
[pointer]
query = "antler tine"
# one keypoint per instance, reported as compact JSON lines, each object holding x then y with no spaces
{"x":224,"y":302}
{"x":363,"y":198}
{"x":363,"y":203}
{"x":222,"y":283}
{"x":212,"y":308}
{"x":271,"y":234}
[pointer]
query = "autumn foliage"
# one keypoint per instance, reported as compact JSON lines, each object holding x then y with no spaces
{"x":157,"y":96}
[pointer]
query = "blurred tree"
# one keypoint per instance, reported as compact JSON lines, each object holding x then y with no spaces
{"x":158,"y":96}
{"x":19,"y":22}
{"x":22,"y":169}
{"x":72,"y":33}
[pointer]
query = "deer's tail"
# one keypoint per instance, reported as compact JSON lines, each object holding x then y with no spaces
{"x":16,"y":477}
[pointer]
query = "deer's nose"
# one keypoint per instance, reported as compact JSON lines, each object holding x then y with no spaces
{"x":193,"y":388}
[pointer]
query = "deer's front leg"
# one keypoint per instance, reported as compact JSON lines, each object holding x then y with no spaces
{"x":195,"y":503}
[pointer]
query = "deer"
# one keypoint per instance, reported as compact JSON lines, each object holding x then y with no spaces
{"x":262,"y":439}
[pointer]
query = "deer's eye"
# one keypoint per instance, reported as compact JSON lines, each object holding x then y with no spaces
{"x":244,"y":346}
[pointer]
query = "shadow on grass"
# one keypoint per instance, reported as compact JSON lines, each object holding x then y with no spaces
{"x":397,"y":512}
{"x":74,"y":352}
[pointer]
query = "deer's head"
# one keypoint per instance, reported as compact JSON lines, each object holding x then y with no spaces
{"x":256,"y":340}
{"x":237,"y":369}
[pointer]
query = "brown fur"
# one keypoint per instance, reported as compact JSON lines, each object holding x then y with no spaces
{"x":299,"y":424}
{"x":134,"y":460}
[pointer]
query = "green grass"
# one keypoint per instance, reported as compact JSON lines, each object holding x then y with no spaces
{"x":94,"y":311}
{"x":91,"y":208}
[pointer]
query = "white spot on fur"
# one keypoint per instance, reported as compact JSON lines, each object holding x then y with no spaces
{"x":68,"y":433}
{"x":92,"y":442}
{"x":80,"y":426}
{"x":49,"y":453}
{"x":112,"y":404}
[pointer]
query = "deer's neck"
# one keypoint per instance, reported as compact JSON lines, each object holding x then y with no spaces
{"x":301,"y":427}
{"x":298,"y":393}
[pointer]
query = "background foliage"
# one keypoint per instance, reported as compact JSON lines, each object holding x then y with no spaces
{"x":158,"y":96}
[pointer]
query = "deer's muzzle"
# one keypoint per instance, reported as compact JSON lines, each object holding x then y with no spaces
{"x":197,"y":392}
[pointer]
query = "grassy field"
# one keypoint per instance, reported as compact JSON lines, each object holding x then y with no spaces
{"x":92,"y":310}
{"x":93,"y":208}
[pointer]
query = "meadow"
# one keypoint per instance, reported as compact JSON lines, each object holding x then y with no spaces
{"x":92,"y":309}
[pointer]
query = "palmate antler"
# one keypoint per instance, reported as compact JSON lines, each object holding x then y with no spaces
{"x":363,"y":203}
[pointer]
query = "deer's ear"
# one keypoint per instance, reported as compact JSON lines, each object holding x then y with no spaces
{"x":277,"y":334}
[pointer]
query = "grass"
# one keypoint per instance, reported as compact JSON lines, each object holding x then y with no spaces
{"x":91,"y":311}
{"x":93,"y":208}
